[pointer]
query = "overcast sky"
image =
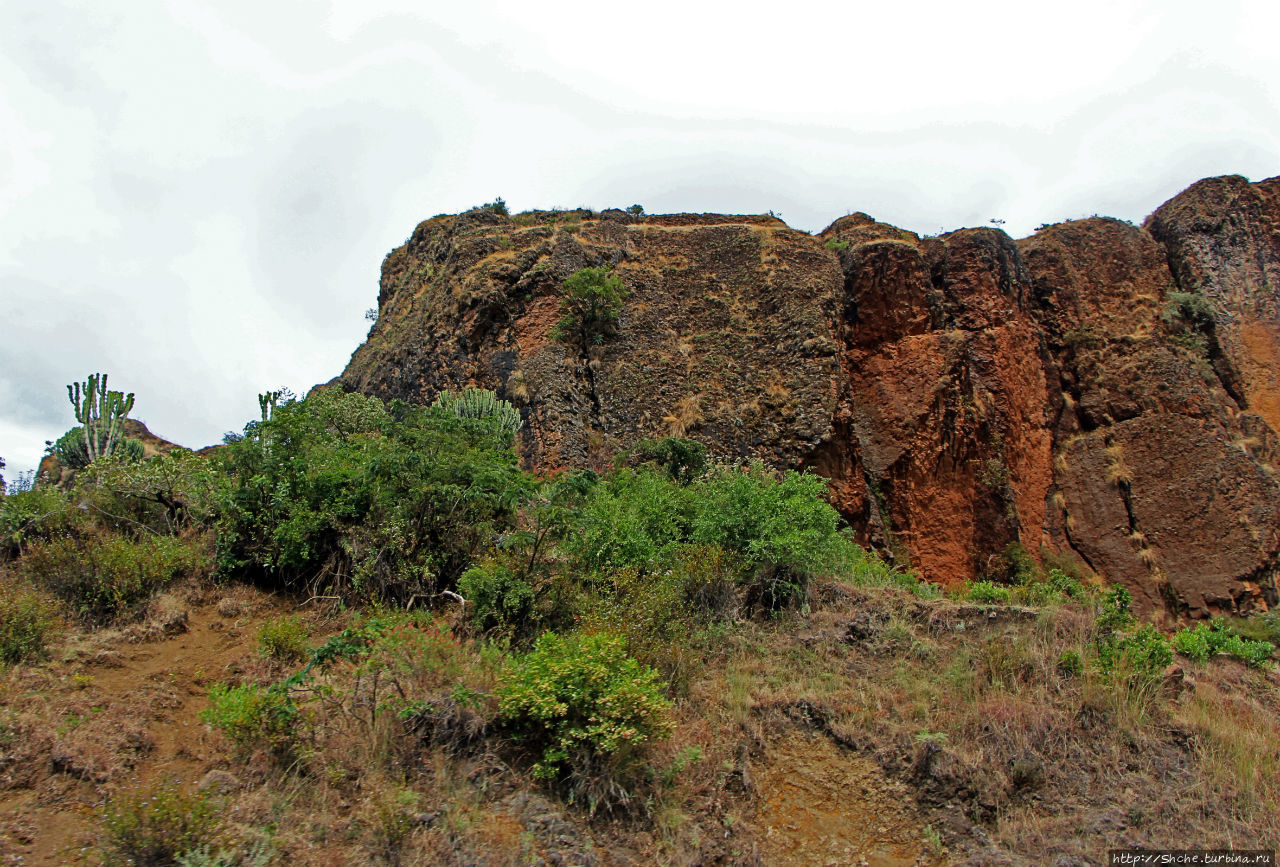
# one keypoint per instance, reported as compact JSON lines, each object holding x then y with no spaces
{"x":196,"y":197}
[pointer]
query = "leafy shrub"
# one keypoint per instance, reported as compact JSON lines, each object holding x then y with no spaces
{"x":1205,"y":639}
{"x":498,"y":599}
{"x":590,"y":307}
{"x":27,"y":620}
{"x":1114,"y":613}
{"x":27,"y":516}
{"x":987,"y":592}
{"x":497,"y":206}
{"x":283,"y":638}
{"x":782,"y":530}
{"x":254,"y":717}
{"x":588,"y":710}
{"x":1066,"y":584}
{"x":339,"y":492}
{"x":1070,"y":663}
{"x":1143,"y":654}
{"x":106,"y":579}
{"x":167,"y":492}
{"x":631,"y":518}
{"x":837,"y":246}
{"x":72,"y":452}
{"x":1194,"y":643}
{"x":683,"y":459}
{"x":156,"y":826}
{"x":636,"y":210}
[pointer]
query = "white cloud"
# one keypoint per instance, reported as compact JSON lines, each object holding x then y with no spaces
{"x":196,"y":196}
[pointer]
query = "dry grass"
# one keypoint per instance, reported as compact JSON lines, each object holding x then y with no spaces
{"x":1118,"y":472}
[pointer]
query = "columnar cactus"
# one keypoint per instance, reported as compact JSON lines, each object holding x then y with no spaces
{"x":101,"y":413}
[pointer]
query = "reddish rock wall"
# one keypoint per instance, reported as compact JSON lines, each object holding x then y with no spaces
{"x":1098,"y":390}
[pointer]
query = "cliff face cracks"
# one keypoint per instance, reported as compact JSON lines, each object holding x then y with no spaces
{"x":1098,"y":390}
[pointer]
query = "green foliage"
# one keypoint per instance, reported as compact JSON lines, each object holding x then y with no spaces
{"x":781,"y":528}
{"x":987,"y":592}
{"x":683,"y":459}
{"x":587,"y":710}
{"x":1070,"y":663}
{"x":590,"y":307}
{"x":1142,"y":654}
{"x":283,"y":638}
{"x":338,"y":493}
{"x":1066,"y":584}
{"x":837,"y":246}
{"x":636,"y":210}
{"x":1189,"y":308}
{"x":498,"y":599}
{"x":27,"y":622}
{"x":254,"y":717}
{"x":633,"y":518}
{"x":27,"y":516}
{"x":497,"y":206}
{"x":1205,"y":639}
{"x":108,"y":578}
{"x":156,"y":826}
{"x":101,"y":414}
{"x":72,"y":450}
{"x":167,"y":492}
{"x":1114,"y":613}
{"x":484,"y":406}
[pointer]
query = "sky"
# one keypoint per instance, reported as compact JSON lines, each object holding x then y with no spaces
{"x":196,"y":197}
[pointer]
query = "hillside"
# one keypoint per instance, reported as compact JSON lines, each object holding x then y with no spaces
{"x":1099,"y":390}
{"x":856,"y":548}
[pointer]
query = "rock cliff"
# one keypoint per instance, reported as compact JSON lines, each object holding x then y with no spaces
{"x":1098,"y":391}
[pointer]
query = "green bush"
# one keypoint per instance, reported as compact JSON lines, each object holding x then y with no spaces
{"x":590,"y":307}
{"x":104,"y":579}
{"x":587,"y":710}
{"x":782,"y":530}
{"x":987,"y":592}
{"x":1205,"y":639}
{"x":339,"y":493}
{"x":1194,"y":643}
{"x":254,"y":717}
{"x":631,"y":518}
{"x":73,"y":453}
{"x":497,"y":598}
{"x":156,"y":826}
{"x":837,"y":246}
{"x":482,"y":405}
{"x":283,"y":638}
{"x":1066,"y":584}
{"x":27,"y":621}
{"x":1142,"y":654}
{"x":37,"y":514}
{"x":683,"y":459}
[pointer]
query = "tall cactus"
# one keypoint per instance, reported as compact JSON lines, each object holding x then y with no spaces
{"x":100,"y":412}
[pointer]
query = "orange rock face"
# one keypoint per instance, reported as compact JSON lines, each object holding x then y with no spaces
{"x":1097,"y":391}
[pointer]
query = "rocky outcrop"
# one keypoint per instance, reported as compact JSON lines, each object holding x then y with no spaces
{"x":1097,"y":391}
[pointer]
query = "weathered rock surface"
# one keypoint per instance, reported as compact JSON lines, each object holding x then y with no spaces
{"x":1097,"y":390}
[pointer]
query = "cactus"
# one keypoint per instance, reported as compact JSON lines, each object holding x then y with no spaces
{"x":101,"y":413}
{"x":481,"y":403}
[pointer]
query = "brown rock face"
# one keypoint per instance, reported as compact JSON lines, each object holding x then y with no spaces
{"x":1097,"y":390}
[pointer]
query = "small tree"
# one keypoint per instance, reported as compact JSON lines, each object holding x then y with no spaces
{"x":590,"y":307}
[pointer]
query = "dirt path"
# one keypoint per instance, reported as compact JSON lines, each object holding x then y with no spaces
{"x":119,"y":710}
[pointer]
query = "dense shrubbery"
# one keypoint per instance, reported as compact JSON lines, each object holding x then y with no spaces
{"x":587,"y":710}
{"x":102,"y":579}
{"x":340,"y":494}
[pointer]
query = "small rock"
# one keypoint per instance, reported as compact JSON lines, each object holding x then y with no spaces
{"x":219,"y":782}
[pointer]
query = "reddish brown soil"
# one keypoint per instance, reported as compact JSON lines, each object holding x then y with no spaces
{"x":118,"y":709}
